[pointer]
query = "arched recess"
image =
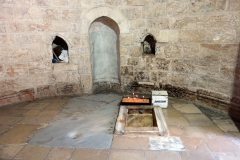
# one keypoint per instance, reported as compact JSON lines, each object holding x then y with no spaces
{"x":148,"y":44}
{"x":50,"y":39}
{"x":60,"y":50}
{"x":104,"y":40}
{"x":114,"y":14}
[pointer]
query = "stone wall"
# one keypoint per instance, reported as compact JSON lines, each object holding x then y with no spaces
{"x":196,"y":49}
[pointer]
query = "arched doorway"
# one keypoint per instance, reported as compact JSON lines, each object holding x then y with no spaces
{"x":104,"y":40}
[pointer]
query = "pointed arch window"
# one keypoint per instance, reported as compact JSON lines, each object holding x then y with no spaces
{"x":149,"y":45}
{"x":60,"y":50}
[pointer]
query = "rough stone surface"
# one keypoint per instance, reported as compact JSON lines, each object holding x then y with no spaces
{"x":106,"y":87}
{"x":187,"y":22}
{"x":197,"y":47}
{"x":192,"y":35}
{"x":14,"y":96}
{"x":46,"y":91}
{"x":65,"y":89}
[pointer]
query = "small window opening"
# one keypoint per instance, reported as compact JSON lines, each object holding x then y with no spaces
{"x":148,"y":45}
{"x":60,"y":50}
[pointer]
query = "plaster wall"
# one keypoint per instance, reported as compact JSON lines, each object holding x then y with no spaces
{"x":104,"y":41}
{"x":197,"y":45}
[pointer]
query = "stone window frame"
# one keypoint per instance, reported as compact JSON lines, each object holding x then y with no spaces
{"x":58,"y":60}
{"x":142,"y":44}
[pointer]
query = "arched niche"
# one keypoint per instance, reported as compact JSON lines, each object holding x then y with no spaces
{"x":104,"y":40}
{"x":60,"y":50}
{"x":149,"y":44}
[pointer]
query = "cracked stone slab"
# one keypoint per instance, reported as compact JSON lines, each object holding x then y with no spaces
{"x":166,"y":143}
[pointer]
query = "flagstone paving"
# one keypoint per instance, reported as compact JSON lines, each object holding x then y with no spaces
{"x":82,"y":127}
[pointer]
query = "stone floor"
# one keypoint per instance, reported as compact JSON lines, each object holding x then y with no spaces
{"x":206,"y":134}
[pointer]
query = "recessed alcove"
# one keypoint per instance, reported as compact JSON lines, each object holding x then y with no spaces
{"x":148,"y":45}
{"x":60,"y":50}
{"x":104,"y":41}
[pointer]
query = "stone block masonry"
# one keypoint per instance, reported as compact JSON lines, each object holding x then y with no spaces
{"x":197,"y":46}
{"x":14,"y":96}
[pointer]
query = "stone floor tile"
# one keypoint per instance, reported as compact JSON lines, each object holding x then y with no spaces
{"x":198,"y":120}
{"x":194,"y":144}
{"x":163,"y":155}
{"x":228,"y":157}
{"x":177,"y":130}
{"x":176,"y":105}
{"x":18,"y":134}
{"x":124,"y":142}
{"x":195,"y":132}
{"x":8,"y":120}
{"x":181,"y":121}
{"x":36,"y":120}
{"x":102,"y":97}
{"x":195,"y":149}
{"x":14,"y":113}
{"x":177,"y":101}
{"x":49,"y":113}
{"x":187,"y":131}
{"x":4,"y":128}
{"x":30,"y":152}
{"x":35,"y":105}
{"x":15,"y":106}
{"x":190,"y":155}
{"x":234,"y":136}
{"x":55,"y":106}
{"x":214,"y":132}
{"x":44,"y":100}
{"x":32,"y":112}
{"x":188,"y":108}
{"x":226,"y":125}
{"x":58,"y":153}
{"x":9,"y":151}
{"x":126,"y":154}
{"x":2,"y":110}
{"x":82,"y":105}
{"x":90,"y":154}
{"x":60,"y":99}
{"x":222,"y":146}
{"x":172,"y":113}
